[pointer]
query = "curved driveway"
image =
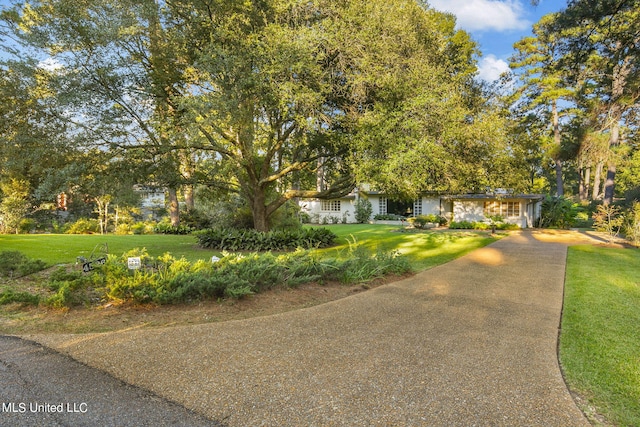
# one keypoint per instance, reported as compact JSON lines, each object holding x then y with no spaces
{"x":472,"y":342}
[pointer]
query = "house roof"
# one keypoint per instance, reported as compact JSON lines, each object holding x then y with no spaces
{"x":493,"y":196}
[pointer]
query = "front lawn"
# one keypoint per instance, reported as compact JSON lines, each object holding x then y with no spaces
{"x":423,"y":248}
{"x":65,"y":248}
{"x":600,"y":339}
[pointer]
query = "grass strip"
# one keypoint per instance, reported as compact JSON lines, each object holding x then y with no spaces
{"x":600,"y":339}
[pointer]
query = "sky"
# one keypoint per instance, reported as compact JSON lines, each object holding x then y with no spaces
{"x":496,"y":25}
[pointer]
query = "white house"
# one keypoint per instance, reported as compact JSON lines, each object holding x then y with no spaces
{"x":152,"y":199}
{"x":520,"y":209}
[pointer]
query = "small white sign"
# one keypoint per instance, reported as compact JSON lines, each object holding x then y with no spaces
{"x":134,"y":263}
{"x":214,"y":259}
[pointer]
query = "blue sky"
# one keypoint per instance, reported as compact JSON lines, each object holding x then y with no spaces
{"x":496,"y":25}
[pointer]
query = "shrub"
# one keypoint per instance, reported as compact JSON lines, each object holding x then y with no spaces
{"x":608,"y":219}
{"x":9,"y":296}
{"x":168,"y":280}
{"x":229,"y":239}
{"x":143,"y":227}
{"x":166,"y":228}
{"x":477,"y":225}
{"x":26,"y":226}
{"x":16,"y":264}
{"x":363,"y":211}
{"x":421,"y":221}
{"x":389,"y":217}
{"x":83,"y":226}
{"x":557,"y":212}
{"x":71,"y":288}
{"x":632,"y":224}
{"x":286,"y":217}
{"x":362,"y":266}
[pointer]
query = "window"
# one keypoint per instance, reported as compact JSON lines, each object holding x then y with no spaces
{"x":383,"y":206}
{"x":417,"y":207}
{"x":330,"y":205}
{"x":505,"y":209}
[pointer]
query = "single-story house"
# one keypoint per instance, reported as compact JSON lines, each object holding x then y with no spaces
{"x":520,"y":209}
{"x":152,"y":199}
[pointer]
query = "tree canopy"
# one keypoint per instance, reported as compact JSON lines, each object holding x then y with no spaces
{"x":271,"y":100}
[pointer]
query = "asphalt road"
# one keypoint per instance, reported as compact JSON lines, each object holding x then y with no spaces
{"x":39,"y":387}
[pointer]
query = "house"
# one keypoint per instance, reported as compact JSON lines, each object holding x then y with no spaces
{"x":152,"y":200}
{"x":520,"y":209}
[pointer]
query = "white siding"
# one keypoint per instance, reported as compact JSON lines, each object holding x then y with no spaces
{"x":431,"y":205}
{"x":468,"y":210}
{"x":319,"y":212}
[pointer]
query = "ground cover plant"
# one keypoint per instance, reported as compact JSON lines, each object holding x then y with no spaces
{"x":277,"y":240}
{"x":600,"y":339}
{"x":363,"y":252}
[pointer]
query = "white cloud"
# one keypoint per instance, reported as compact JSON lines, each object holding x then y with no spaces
{"x":490,"y":68}
{"x":50,"y":64}
{"x":485,"y":15}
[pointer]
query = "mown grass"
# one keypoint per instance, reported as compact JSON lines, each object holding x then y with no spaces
{"x":424,"y":249}
{"x":600,"y":339}
{"x":65,"y":248}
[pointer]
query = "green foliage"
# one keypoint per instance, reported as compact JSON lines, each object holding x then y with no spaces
{"x":72,"y":288}
{"x":83,"y":226}
{"x":166,"y":228}
{"x":632,"y":224}
{"x":468,"y":225}
{"x":361,"y":266}
{"x":557,"y":212}
{"x":363,"y":211}
{"x":9,"y":296}
{"x":478,"y":225}
{"x":286,"y":217}
{"x":26,"y":225}
{"x":15,"y":264}
{"x":421,"y":221}
{"x":608,"y":219}
{"x":14,"y":204}
{"x":252,"y":240}
{"x":389,"y":217}
{"x":168,"y":280}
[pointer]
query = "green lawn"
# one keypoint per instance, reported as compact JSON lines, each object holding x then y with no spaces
{"x":64,"y":248}
{"x":600,"y":339}
{"x":424,"y":249}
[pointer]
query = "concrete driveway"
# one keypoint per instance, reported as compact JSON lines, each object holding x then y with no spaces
{"x":472,"y":342}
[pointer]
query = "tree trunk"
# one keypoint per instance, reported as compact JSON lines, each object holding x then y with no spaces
{"x":259,"y":211}
{"x":587,"y":181}
{"x":610,"y":182}
{"x":174,"y":207}
{"x":620,"y":74}
{"x":189,"y":197}
{"x":581,"y":182}
{"x":596,"y":181}
{"x":187,"y":167}
{"x":557,"y":157}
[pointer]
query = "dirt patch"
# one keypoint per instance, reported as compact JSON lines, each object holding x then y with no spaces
{"x":16,"y":319}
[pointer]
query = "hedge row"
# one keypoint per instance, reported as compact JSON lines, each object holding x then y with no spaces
{"x":476,"y":225}
{"x":231,"y":239}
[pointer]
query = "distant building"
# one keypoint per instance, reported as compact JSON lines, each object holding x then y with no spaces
{"x":152,"y":200}
{"x":520,"y":209}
